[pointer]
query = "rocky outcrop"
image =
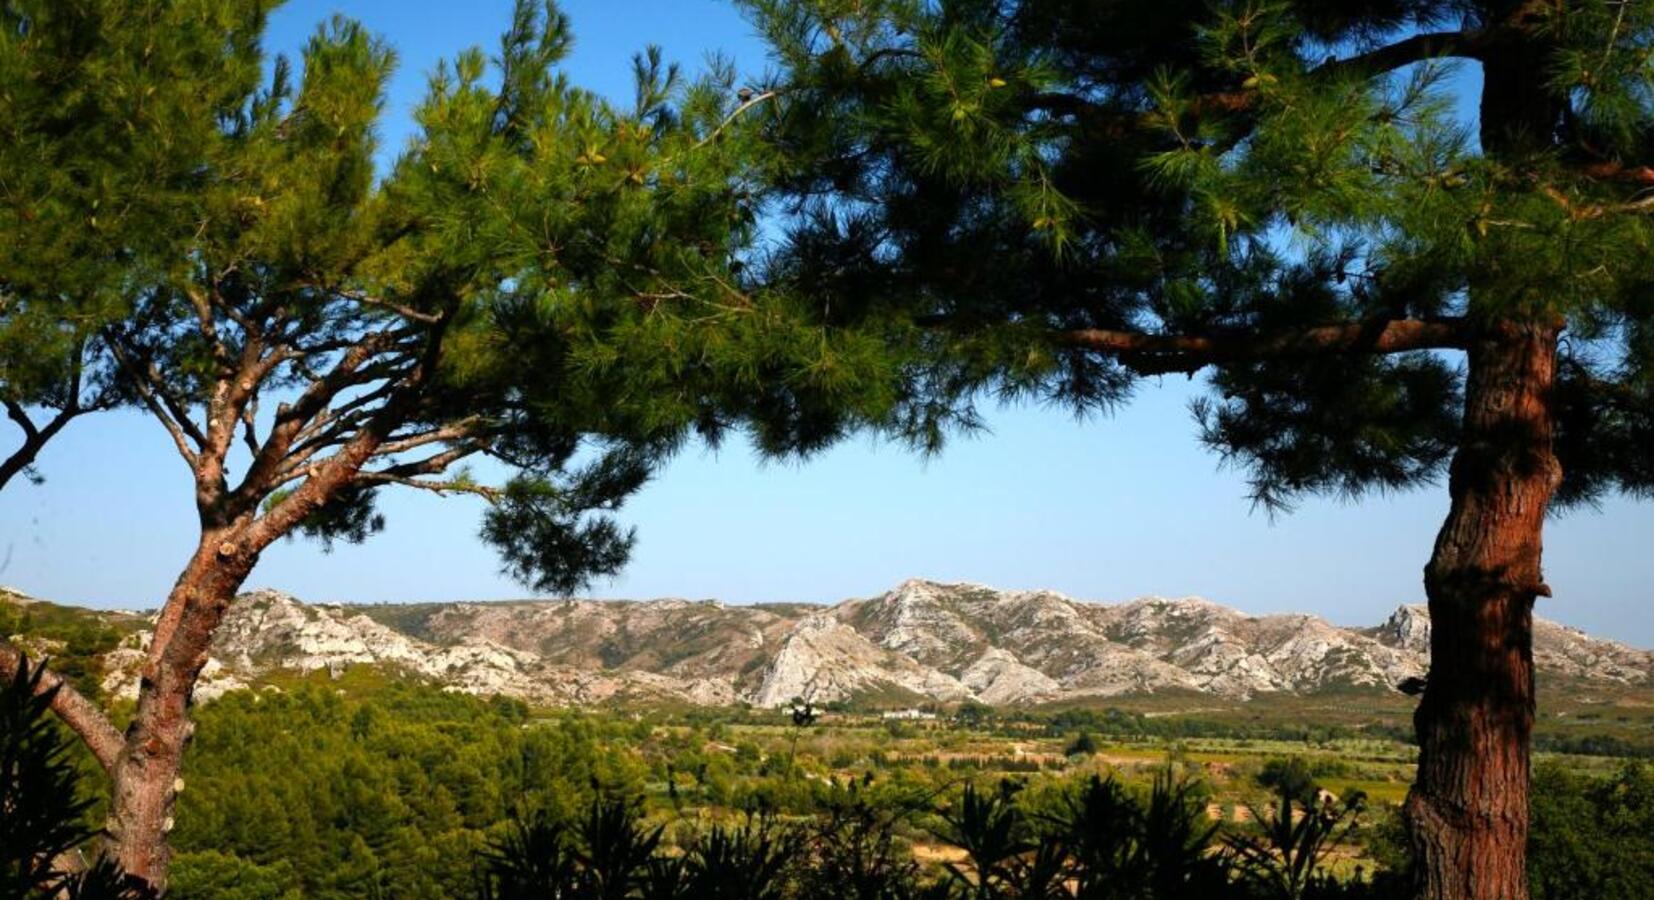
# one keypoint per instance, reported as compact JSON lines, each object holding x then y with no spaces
{"x":825,"y":659}
{"x":998,"y":677}
{"x":921,"y":641}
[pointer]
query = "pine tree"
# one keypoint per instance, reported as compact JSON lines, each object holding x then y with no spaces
{"x":107,"y":112}
{"x":1056,"y":200}
{"x":544,"y":279}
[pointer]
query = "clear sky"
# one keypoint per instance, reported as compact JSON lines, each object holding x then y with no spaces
{"x":1104,"y":509}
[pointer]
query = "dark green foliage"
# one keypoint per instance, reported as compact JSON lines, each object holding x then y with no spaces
{"x":981,"y":182}
{"x":1122,"y":847}
{"x":1120,"y":723}
{"x":535,"y":859}
{"x":1083,"y":745}
{"x":752,"y":861}
{"x":1286,"y":423}
{"x":1592,"y":839}
{"x":1289,"y":778}
{"x":614,"y":847}
{"x":42,"y":807}
{"x":308,"y":792}
{"x":1100,"y":824}
{"x":611,"y":854}
{"x":102,"y":879}
{"x":1593,"y":745}
{"x":1297,"y":837}
{"x":539,"y":529}
{"x":222,"y":876}
{"x":854,"y":847}
{"x":988,"y":827}
{"x":350,"y":517}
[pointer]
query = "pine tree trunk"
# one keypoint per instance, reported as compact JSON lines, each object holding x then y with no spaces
{"x":145,"y":781}
{"x":1468,"y":810}
{"x":146,"y":777}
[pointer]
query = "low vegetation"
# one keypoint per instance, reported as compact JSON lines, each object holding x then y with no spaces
{"x":369,"y":786}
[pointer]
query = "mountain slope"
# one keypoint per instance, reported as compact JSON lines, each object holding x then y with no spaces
{"x":921,"y":641}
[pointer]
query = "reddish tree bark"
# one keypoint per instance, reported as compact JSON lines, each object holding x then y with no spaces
{"x":1468,"y":809}
{"x":145,"y":777}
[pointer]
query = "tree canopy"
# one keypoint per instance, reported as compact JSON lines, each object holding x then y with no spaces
{"x":1072,"y":199}
{"x":543,"y":278}
{"x":1055,"y":200}
{"x":108,"y":114}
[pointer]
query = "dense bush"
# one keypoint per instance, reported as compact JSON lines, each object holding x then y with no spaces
{"x":1083,"y":745}
{"x":1592,"y":839}
{"x":41,"y":806}
{"x":1299,"y":777}
{"x":355,"y":788}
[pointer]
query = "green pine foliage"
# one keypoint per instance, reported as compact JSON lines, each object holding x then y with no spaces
{"x":1003,"y":177}
{"x":542,"y":277}
{"x":107,"y":118}
{"x":387,"y":795}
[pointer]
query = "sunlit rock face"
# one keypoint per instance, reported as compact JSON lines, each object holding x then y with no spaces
{"x":923,"y":640}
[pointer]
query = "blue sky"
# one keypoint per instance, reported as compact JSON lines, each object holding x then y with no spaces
{"x":1104,"y":509}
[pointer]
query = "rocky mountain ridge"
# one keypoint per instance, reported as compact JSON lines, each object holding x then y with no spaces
{"x":923,"y":640}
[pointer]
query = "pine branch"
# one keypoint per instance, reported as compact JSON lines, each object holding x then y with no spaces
{"x":440,"y":488}
{"x":1618,"y":171}
{"x":326,"y":479}
{"x":80,"y":714}
{"x":274,"y":462}
{"x":166,"y":409}
{"x":35,"y":437}
{"x":1388,"y":58}
{"x":209,"y":327}
{"x":1154,"y":354}
{"x":18,"y":414}
{"x":729,"y":120}
{"x":454,"y":431}
{"x":1418,"y":48}
{"x":249,"y":420}
{"x":406,"y":312}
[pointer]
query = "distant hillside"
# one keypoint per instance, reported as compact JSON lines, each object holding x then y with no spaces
{"x":921,"y":641}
